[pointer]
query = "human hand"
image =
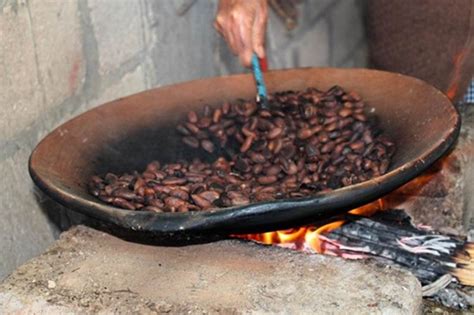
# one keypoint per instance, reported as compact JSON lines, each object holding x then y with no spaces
{"x":242,"y":23}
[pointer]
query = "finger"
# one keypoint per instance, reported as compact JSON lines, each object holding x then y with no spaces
{"x":245,"y":37}
{"x":217,"y":25}
{"x":245,"y":57}
{"x":225,"y":29}
{"x":259,"y":31}
{"x":234,"y":34}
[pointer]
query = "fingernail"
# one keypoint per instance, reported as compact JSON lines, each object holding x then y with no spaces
{"x":260,"y":52}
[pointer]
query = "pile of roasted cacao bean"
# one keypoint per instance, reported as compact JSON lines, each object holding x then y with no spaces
{"x":306,"y":142}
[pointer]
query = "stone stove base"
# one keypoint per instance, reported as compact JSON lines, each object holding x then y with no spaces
{"x":443,"y":197}
{"x":87,"y":271}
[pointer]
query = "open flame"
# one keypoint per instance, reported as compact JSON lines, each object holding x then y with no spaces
{"x":449,"y":254}
{"x":458,"y":62}
{"x":311,"y":238}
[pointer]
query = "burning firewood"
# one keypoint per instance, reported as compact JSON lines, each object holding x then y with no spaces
{"x":440,"y":262}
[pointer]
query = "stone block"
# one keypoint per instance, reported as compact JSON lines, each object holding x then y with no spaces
{"x":118,"y":31}
{"x":87,"y":271}
{"x":442,"y":196}
{"x":131,"y":83}
{"x":435,"y":198}
{"x":24,"y":226}
{"x":182,"y":46}
{"x":21,"y":95}
{"x":58,"y":40}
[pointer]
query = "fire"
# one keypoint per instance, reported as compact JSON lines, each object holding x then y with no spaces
{"x":454,"y":85}
{"x":311,"y":237}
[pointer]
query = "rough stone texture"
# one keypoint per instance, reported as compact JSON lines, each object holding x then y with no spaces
{"x":21,"y":95}
{"x":56,"y":30}
{"x":174,"y":63}
{"x":466,"y":153}
{"x":90,"y":272}
{"x":16,"y":224}
{"x":130,"y":83}
{"x":60,"y":58}
{"x":442,"y":197}
{"x":118,"y":30}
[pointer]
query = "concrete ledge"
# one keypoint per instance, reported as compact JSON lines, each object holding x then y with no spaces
{"x":87,"y":271}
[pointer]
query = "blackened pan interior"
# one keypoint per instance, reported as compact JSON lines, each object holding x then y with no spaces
{"x":128,"y":133}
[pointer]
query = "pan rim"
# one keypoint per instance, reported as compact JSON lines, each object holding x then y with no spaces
{"x":191,"y":221}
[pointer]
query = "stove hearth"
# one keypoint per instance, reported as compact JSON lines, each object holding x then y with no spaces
{"x":88,"y":271}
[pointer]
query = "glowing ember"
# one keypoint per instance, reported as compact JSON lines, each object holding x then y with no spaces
{"x":312,"y":237}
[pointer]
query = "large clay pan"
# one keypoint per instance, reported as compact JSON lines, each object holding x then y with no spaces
{"x":127,"y":133}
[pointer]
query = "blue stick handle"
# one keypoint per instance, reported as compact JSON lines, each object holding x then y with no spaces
{"x":261,"y":89}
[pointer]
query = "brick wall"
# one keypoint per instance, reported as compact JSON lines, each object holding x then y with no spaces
{"x":61,"y":58}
